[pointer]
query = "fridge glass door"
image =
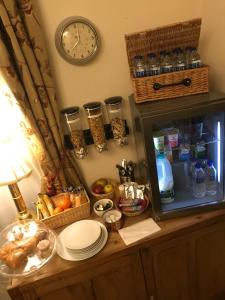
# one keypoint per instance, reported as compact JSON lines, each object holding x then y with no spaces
{"x":189,"y":160}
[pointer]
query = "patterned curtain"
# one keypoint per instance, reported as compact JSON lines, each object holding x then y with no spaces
{"x":25,"y":67}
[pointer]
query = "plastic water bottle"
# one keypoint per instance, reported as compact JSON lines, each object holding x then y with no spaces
{"x":194,"y":59}
{"x":165,"y":179}
{"x":199,"y":181}
{"x":166,"y":62}
{"x":187,"y":56}
{"x":211,"y":183}
{"x":153,"y":67}
{"x":139,"y":66}
{"x":179,"y":63}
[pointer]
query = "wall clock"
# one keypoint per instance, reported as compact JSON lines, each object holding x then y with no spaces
{"x":77,"y":40}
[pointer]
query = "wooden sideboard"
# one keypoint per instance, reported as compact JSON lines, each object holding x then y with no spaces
{"x":183,"y":261}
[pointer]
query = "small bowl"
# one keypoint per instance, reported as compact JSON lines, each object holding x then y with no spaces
{"x":102,"y":202}
{"x":115,"y":223}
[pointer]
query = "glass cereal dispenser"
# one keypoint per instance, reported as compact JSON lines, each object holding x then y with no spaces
{"x":73,"y":123}
{"x":114,"y":110}
{"x":95,"y":120}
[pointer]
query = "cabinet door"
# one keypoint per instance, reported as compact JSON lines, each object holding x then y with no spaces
{"x":210,"y":263}
{"x":82,"y":291}
{"x":59,"y":289}
{"x":122,"y":279}
{"x":118,"y":279}
{"x":168,"y":271}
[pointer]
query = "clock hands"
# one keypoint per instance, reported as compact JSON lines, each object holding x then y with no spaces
{"x":78,"y":38}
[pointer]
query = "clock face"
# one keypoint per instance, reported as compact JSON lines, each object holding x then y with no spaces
{"x":77,"y":40}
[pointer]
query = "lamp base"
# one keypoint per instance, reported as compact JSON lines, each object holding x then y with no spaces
{"x":23,"y":213}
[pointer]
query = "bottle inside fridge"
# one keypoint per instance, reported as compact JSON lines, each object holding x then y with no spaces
{"x":192,"y":150}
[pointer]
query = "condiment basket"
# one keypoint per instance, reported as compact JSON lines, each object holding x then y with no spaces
{"x":167,"y":85}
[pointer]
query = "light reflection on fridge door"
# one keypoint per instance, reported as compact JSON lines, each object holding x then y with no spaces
{"x":218,"y":151}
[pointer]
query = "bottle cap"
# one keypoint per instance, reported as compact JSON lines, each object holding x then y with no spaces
{"x":161,"y":155}
{"x":151,"y":54}
{"x":198,"y":165}
{"x":138,"y":57}
{"x":209,"y":162}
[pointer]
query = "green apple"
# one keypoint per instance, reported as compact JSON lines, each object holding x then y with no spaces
{"x":108,"y":188}
{"x":101,"y":181}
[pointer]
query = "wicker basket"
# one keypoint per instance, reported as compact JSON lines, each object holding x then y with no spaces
{"x":134,"y":213}
{"x":69,"y":216}
{"x":167,"y":85}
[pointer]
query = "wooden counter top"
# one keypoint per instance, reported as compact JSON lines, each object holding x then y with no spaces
{"x":115,"y":246}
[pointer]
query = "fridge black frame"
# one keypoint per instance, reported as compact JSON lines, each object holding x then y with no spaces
{"x":159,"y":112}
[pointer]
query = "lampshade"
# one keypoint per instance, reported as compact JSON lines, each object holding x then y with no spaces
{"x":13,"y":160}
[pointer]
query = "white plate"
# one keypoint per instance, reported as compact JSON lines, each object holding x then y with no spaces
{"x":81,"y":234}
{"x":84,"y":254}
{"x":91,"y":248}
{"x":66,"y":254}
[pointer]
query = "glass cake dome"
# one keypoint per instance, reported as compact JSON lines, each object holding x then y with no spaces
{"x":25,"y":246}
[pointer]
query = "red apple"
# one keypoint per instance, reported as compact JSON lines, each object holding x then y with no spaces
{"x":98,"y":189}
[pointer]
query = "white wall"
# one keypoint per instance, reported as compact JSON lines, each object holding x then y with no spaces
{"x":108,"y":75}
{"x":213,"y":41}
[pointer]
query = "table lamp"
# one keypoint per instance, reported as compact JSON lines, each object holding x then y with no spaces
{"x":14,"y":167}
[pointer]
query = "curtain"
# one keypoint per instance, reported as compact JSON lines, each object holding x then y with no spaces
{"x":25,"y":67}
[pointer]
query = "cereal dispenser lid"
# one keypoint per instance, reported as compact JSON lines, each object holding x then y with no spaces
{"x":70,"y":110}
{"x":113,"y":100}
{"x":92,"y":105}
{"x":25,"y":246}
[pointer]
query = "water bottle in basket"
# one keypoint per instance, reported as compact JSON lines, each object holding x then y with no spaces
{"x":179,"y":60}
{"x":153,"y":67}
{"x":194,"y":59}
{"x":166,"y":62}
{"x":139,"y":66}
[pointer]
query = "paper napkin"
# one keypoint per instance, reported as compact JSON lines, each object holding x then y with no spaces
{"x":138,"y":231}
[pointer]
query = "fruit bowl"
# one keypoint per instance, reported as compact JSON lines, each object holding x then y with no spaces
{"x":103,"y":188}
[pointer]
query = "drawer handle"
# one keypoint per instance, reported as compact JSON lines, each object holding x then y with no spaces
{"x":186,"y":82}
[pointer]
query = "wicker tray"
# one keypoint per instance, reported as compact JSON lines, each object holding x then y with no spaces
{"x":69,"y":216}
{"x":134,"y":213}
{"x":167,"y":85}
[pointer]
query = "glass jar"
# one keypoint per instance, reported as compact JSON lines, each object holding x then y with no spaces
{"x":95,"y":120}
{"x":73,"y":122}
{"x":114,"y":110}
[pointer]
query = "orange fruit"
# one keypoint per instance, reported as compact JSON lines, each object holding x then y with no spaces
{"x":64,"y":202}
{"x":58,"y":210}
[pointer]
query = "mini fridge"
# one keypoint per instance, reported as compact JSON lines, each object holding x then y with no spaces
{"x":180,"y":151}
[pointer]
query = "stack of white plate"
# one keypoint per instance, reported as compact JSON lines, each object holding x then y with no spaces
{"x":81,"y":240}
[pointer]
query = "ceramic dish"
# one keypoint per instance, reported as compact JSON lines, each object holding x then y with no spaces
{"x":67,"y":254}
{"x":86,"y":250}
{"x":102,"y":202}
{"x":81,"y":234}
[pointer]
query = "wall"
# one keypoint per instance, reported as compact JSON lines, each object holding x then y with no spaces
{"x":108,"y":75}
{"x":212,"y":42}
